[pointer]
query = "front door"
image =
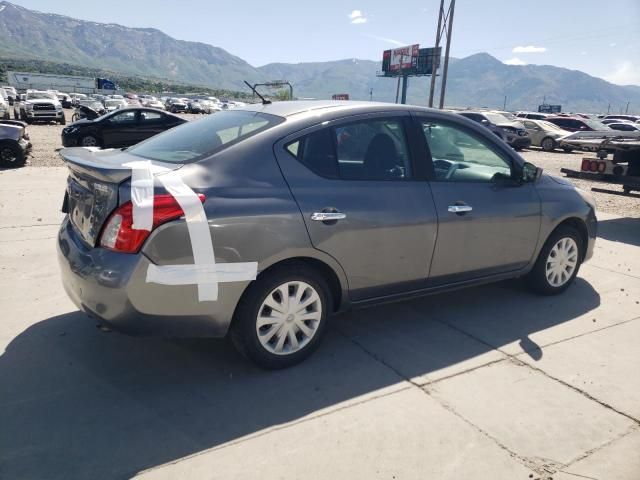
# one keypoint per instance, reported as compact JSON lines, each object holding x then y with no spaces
{"x":355,"y":184}
{"x":488,"y":224}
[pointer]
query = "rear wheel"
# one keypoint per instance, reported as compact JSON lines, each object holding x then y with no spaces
{"x":282,"y":317}
{"x":548,"y":144}
{"x":11,"y":155}
{"x":558,"y":262}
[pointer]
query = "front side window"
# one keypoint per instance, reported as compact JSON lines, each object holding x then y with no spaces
{"x":459,"y":156}
{"x":368,"y":150}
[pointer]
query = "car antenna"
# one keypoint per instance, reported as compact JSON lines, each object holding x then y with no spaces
{"x":264,"y":100}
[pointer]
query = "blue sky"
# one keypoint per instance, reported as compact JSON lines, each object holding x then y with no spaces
{"x":599,"y":37}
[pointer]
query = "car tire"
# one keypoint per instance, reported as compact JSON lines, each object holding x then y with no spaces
{"x":285,"y":337}
{"x":88,"y":141}
{"x":558,"y":262}
{"x":11,"y":155}
{"x":548,"y":144}
{"x":63,"y":120}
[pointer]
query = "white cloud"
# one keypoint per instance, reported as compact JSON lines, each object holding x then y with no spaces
{"x":625,"y":73}
{"x":612,"y":44}
{"x":392,"y":41}
{"x":514,"y":61}
{"x":529,"y":49}
{"x":357,"y":17}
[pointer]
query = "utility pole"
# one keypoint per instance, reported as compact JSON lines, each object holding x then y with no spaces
{"x":609,"y":108}
{"x":403,"y":98}
{"x":445,"y":25}
{"x":504,"y":105}
{"x":371,"y":95}
{"x":398,"y":89}
{"x":445,"y":70}
{"x":627,"y":109}
{"x":434,"y":70}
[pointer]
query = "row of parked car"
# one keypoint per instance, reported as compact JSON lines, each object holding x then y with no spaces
{"x":524,"y":129}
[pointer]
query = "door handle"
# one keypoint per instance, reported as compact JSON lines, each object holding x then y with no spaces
{"x":459,"y":209}
{"x":328,"y":216}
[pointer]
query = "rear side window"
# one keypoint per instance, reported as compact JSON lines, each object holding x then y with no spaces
{"x":150,"y":118}
{"x":199,"y":139}
{"x":369,"y":150}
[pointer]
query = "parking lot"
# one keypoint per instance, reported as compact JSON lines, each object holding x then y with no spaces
{"x":489,"y":382}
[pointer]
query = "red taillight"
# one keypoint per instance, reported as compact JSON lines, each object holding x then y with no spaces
{"x":118,"y":233}
{"x":585,"y":165}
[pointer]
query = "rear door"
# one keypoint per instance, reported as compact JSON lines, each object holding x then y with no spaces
{"x":357,"y":188}
{"x":487,"y":224}
{"x":151,"y":123}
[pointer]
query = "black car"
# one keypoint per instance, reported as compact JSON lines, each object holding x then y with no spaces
{"x":121,"y":128}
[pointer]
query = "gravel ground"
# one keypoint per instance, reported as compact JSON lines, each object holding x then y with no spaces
{"x":46,"y":144}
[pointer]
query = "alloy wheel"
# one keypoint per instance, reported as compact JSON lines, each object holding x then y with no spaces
{"x":89,"y":141}
{"x":562,"y":262}
{"x":289,"y":318}
{"x":547,"y":144}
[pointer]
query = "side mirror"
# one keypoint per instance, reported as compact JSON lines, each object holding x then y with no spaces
{"x":484,"y":121}
{"x":530,"y":173}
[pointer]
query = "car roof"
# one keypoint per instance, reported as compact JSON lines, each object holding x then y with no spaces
{"x":296,"y":107}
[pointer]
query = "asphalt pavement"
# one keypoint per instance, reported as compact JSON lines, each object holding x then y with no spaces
{"x":489,"y":382}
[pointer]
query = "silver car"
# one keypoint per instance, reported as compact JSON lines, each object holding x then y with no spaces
{"x":262,"y":221}
{"x":544,"y":134}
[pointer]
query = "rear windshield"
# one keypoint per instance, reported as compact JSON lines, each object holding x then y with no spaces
{"x":199,"y":139}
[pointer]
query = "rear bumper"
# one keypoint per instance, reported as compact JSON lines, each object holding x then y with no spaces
{"x":112,"y":287}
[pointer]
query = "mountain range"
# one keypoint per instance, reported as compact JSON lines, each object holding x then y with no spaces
{"x":479,"y":80}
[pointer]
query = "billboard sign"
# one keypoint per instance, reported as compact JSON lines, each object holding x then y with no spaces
{"x":546,"y":108}
{"x":410,"y":61}
{"x":340,"y":96}
{"x":404,"y":58}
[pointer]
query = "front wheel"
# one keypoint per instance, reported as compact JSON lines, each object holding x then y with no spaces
{"x":63,"y":120}
{"x":558,"y":262}
{"x":282,"y":317}
{"x":89,"y":141}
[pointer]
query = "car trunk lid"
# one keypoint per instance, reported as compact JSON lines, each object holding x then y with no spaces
{"x":92,"y":187}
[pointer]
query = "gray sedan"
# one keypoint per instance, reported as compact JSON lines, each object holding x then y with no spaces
{"x":544,"y":134}
{"x":262,"y":221}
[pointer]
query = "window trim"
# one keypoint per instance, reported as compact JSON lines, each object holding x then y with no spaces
{"x":403,"y":118}
{"x":485,"y":139}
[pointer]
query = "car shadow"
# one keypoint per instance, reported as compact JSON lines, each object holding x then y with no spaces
{"x":76,"y":402}
{"x":625,"y":230}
